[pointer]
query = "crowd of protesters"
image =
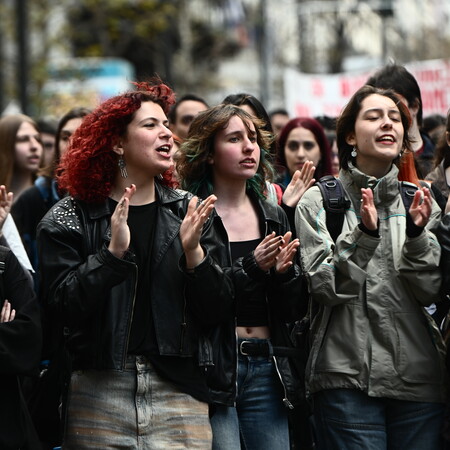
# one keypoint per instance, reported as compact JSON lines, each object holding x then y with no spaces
{"x":175,"y":275}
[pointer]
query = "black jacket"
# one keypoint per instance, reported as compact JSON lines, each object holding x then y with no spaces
{"x":20,"y":347}
{"x":95,"y":291}
{"x":286,"y":302}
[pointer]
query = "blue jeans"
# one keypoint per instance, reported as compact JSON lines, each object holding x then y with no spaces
{"x":259,"y":421}
{"x":350,"y":419}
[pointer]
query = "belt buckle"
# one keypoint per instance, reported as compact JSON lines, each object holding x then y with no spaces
{"x":240,"y":348}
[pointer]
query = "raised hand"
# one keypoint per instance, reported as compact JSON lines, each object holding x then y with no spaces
{"x":420,"y":210}
{"x":285,"y":258}
{"x":369,"y":215}
{"x":120,"y":233}
{"x":267,"y":251}
{"x":191,"y":229}
{"x":6,"y":199}
{"x":301,"y":181}
{"x":7,"y":314}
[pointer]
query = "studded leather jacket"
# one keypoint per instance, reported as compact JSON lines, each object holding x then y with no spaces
{"x":94,"y":291}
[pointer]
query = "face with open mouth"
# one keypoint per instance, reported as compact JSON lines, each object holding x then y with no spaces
{"x":28,"y":149}
{"x":147,"y":145}
{"x":236,"y":151}
{"x":379,"y":132}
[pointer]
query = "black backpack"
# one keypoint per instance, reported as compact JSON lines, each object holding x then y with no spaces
{"x":336,"y":204}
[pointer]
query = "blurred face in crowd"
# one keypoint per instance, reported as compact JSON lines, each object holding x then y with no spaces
{"x":48,"y":149}
{"x":28,"y":149}
{"x":278,"y":121}
{"x":301,"y":146}
{"x":66,"y":132}
{"x":185,"y":113}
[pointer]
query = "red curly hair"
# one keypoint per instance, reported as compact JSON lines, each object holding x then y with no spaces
{"x":88,"y":168}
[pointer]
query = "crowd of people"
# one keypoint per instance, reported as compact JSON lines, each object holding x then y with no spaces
{"x":174,"y":274}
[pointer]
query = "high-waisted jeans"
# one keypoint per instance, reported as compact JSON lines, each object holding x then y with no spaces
{"x":133,"y":409}
{"x":259,"y":421}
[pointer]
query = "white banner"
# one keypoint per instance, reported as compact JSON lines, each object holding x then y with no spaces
{"x":318,"y":94}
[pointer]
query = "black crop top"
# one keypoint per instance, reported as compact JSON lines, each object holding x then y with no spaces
{"x":251,"y":311}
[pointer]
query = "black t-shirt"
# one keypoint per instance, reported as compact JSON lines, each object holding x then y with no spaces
{"x":185,"y":373}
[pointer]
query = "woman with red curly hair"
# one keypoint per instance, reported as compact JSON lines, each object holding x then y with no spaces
{"x":125,"y":266}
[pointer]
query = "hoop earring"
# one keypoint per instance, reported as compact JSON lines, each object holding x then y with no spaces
{"x":122,"y":167}
{"x":353,"y":153}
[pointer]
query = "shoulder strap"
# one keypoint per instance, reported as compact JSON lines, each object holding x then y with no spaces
{"x":334,"y":202}
{"x":407,"y":191}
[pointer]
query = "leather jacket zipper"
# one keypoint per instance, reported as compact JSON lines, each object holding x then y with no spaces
{"x":285,"y":399}
{"x":124,"y":358}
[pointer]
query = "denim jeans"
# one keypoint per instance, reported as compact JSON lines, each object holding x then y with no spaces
{"x":349,"y":419}
{"x":133,"y":409}
{"x":259,"y":420}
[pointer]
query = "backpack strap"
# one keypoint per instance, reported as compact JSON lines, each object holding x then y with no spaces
{"x":334,"y":202}
{"x":407,"y":191}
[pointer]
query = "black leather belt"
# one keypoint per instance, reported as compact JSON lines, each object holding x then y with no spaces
{"x":249,"y":348}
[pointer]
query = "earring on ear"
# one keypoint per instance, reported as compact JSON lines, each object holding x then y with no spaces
{"x":353,"y":153}
{"x":122,"y":167}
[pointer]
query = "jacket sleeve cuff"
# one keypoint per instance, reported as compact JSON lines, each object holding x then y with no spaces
{"x":373,"y":233}
{"x":252,"y":269}
{"x":412,"y":230}
{"x":285,"y":276}
{"x":198,"y":269}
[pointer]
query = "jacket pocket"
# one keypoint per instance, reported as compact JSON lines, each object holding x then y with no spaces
{"x":417,"y":359}
{"x":342,"y":349}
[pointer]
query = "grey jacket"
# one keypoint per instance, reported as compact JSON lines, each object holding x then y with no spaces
{"x":372,"y":332}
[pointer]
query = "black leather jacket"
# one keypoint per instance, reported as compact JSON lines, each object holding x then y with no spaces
{"x":286,"y":303}
{"x":95,"y":291}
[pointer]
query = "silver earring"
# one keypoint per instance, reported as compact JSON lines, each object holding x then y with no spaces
{"x":353,"y":153}
{"x":122,"y":167}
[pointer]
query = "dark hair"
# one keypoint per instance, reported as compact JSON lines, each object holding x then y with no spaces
{"x":324,"y":166}
{"x":88,"y":168}
{"x":397,"y":78}
{"x":74,"y":113}
{"x":47,"y":125}
{"x":346,"y":121}
{"x":281,"y":111}
{"x":329,"y":127}
{"x":172,"y":115}
{"x":192,"y":161}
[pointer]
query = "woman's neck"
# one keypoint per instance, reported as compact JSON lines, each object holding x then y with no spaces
{"x":229,"y":194}
{"x":145,"y":191}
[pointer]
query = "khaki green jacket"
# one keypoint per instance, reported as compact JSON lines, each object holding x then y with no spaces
{"x":372,"y":332}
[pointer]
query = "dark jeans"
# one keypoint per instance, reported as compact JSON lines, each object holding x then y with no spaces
{"x":349,"y":419}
